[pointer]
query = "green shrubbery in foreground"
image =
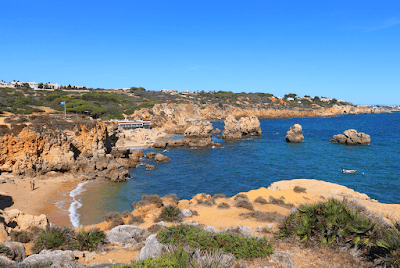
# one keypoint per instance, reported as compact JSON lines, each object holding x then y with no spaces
{"x":241,"y":247}
{"x":342,"y":223}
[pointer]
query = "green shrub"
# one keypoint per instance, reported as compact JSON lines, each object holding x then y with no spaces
{"x":89,"y":240}
{"x":330,"y":222}
{"x":170,"y":213}
{"x":55,"y":238}
{"x":239,"y":246}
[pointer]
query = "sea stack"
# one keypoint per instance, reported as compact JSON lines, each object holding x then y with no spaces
{"x":295,"y":134}
{"x":352,"y":137}
{"x":235,"y":129}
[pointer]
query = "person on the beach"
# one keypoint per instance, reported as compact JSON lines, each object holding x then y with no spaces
{"x":32,"y":185}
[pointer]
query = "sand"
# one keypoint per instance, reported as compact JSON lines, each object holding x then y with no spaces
{"x":44,"y":199}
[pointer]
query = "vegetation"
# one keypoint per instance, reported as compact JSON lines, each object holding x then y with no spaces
{"x":170,"y":213}
{"x":147,"y":200}
{"x":336,"y":223}
{"x":186,"y":257}
{"x":107,"y":104}
{"x":239,"y":246}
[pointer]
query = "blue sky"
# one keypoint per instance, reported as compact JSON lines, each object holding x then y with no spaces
{"x":343,"y":49}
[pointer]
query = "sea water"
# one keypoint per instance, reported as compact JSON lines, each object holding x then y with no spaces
{"x":259,"y":161}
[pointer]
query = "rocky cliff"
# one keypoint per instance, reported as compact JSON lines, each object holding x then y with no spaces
{"x":47,"y":145}
{"x":175,"y":118}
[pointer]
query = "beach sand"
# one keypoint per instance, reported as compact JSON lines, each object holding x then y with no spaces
{"x":50,"y":197}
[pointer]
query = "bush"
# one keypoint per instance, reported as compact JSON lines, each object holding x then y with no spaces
{"x":261,"y":200}
{"x":223,"y":206}
{"x":239,"y":246}
{"x":243,"y":203}
{"x":279,"y":202}
{"x":126,"y":214}
{"x":330,"y":222}
{"x":155,"y":228}
{"x":298,"y":189}
{"x":22,"y":237}
{"x":170,"y":213}
{"x":241,"y":196}
{"x":55,"y":238}
{"x":136,"y":220}
{"x":114,"y":219}
{"x":90,"y":240}
{"x":263,"y":216}
{"x":147,"y":200}
{"x":216,"y":196}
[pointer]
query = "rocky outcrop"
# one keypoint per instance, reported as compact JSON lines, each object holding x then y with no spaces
{"x":15,"y":220}
{"x":127,"y":235}
{"x":352,"y":137}
{"x":13,"y":251}
{"x":295,"y":134}
{"x":198,"y":134}
{"x":235,"y":129}
{"x":161,"y":158}
{"x":48,"y":145}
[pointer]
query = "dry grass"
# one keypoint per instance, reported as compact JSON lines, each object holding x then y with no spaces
{"x":216,"y":196}
{"x":114,"y":219}
{"x":298,"y":189}
{"x":261,"y":200}
{"x":155,"y":228}
{"x":223,"y":206}
{"x":136,"y":220}
{"x":279,"y":202}
{"x":241,"y":196}
{"x":263,"y":216}
{"x":147,"y":200}
{"x":243,"y":203}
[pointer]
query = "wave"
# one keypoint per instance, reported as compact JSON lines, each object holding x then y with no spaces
{"x":76,"y":204}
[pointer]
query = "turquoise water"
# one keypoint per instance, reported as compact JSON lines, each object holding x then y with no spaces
{"x":252,"y":163}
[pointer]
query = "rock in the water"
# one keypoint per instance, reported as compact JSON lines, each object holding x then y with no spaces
{"x":152,"y":248}
{"x":295,"y":134}
{"x":352,"y":137}
{"x":239,"y":230}
{"x":150,"y":155}
{"x":235,"y":129}
{"x":150,"y":167}
{"x":127,"y":235}
{"x":14,"y":251}
{"x":161,"y":158}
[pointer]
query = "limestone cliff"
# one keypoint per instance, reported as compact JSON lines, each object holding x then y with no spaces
{"x":56,"y":145}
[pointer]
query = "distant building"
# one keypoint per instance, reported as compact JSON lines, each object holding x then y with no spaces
{"x":290,"y":99}
{"x":133,"y":124}
{"x":325,"y":99}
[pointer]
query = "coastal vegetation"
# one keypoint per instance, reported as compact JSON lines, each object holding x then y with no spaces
{"x":114,"y":104}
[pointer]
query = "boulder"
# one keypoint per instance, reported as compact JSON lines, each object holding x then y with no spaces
{"x":161,"y":158}
{"x":14,"y":251}
{"x":352,"y":137}
{"x":186,"y":212}
{"x":152,"y":248}
{"x":239,"y":230}
{"x":150,"y":155}
{"x":295,"y":134}
{"x":210,"y":229}
{"x":57,"y":258}
{"x":235,"y":129}
{"x":150,"y":167}
{"x":127,"y":235}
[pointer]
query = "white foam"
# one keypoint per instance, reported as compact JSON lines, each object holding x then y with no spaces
{"x":76,"y":204}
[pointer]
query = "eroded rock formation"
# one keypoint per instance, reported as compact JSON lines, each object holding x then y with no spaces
{"x":48,"y":145}
{"x":236,"y":129}
{"x":295,"y":134}
{"x":352,"y":137}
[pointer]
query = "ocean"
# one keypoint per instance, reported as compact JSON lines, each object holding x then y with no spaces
{"x":259,"y":161}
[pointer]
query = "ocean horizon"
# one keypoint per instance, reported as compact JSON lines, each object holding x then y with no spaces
{"x":256,"y":162}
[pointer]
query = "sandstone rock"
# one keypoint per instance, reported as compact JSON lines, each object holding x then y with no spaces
{"x":217,"y":131}
{"x":352,"y":137}
{"x":239,"y":230}
{"x":235,"y":129}
{"x":14,"y":251}
{"x":20,"y":222}
{"x":295,"y":134}
{"x":161,"y":158}
{"x":150,"y":167}
{"x":152,"y":248}
{"x":127,"y":235}
{"x":150,"y":155}
{"x":57,"y":258}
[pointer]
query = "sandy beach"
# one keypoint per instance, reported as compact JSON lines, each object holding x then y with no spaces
{"x":50,"y":197}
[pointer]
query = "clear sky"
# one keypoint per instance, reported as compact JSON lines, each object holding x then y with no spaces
{"x":341,"y":49}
